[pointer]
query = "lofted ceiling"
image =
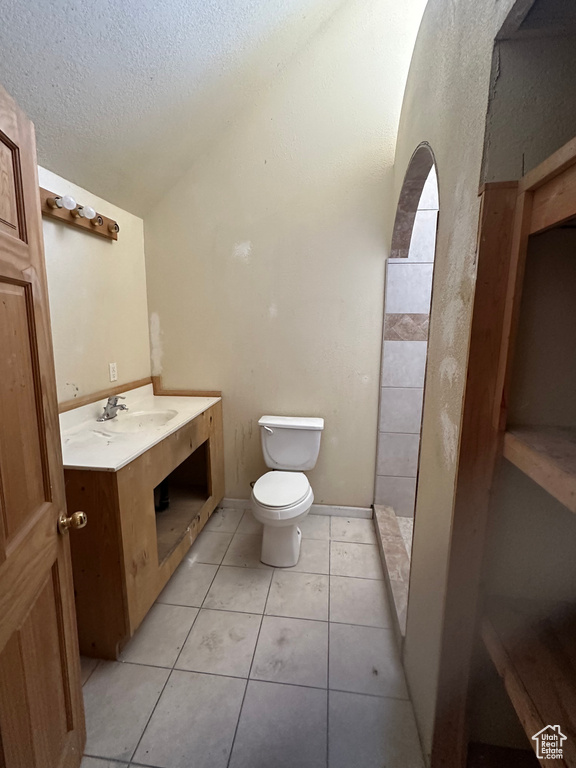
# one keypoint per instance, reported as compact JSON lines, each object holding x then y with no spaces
{"x":125,"y":94}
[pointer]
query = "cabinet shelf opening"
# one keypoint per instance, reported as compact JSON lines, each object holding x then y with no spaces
{"x":178,"y":500}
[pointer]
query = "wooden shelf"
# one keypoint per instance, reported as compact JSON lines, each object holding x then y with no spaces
{"x":548,"y":456}
{"x":533,"y":647}
{"x":173,"y":523}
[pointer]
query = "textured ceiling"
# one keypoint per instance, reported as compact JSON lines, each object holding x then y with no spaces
{"x":124,"y":94}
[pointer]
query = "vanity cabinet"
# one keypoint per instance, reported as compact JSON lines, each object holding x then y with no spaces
{"x":128,"y":551}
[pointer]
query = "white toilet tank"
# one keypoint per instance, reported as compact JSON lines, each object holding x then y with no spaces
{"x":290,"y":442}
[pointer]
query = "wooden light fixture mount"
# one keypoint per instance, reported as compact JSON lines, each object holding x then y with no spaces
{"x":99,"y":225}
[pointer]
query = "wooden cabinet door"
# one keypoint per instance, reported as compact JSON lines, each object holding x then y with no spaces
{"x":41,"y":713}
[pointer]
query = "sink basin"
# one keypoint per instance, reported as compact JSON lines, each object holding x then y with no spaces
{"x":138,"y":420}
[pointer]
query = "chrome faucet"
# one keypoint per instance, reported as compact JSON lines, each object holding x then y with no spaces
{"x":111,"y":408}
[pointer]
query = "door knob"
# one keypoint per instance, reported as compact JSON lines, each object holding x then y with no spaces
{"x":77,"y":520}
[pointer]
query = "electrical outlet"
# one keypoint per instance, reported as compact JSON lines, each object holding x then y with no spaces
{"x":113,"y":372}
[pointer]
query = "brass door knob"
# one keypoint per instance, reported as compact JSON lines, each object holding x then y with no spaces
{"x":77,"y":520}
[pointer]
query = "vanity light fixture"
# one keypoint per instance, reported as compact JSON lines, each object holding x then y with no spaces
{"x":86,"y":212}
{"x":64,"y":208}
{"x":67,"y":202}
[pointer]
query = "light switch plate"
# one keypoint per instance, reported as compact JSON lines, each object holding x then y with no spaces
{"x":113,"y":372}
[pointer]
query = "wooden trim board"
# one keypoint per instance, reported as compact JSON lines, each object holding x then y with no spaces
{"x":160,"y":391}
{"x":554,"y":202}
{"x":479,"y":447}
{"x":554,"y":165}
{"x":77,"y":402}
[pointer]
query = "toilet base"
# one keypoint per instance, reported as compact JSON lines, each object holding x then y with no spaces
{"x":281,"y":545}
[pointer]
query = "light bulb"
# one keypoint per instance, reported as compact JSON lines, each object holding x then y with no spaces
{"x":87,"y":212}
{"x":68,"y":202}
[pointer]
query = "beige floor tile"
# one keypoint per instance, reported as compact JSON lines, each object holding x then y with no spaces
{"x":95,"y":762}
{"x":209,"y":547}
{"x":315,"y":527}
{"x":249,"y":524}
{"x":281,"y":726}
{"x":360,"y":560}
{"x":359,"y":601}
{"x":160,"y":637}
{"x":119,"y":699}
{"x":352,"y":529}
{"x":194,"y":722}
{"x":221,"y":642}
{"x":365,"y":660}
{"x":244,"y":551}
{"x":292,"y":651}
{"x":298,"y":595}
{"x":314,"y":557}
{"x":87,"y":666}
{"x":370,"y":732}
{"x":189,"y":584}
{"x":224,"y":520}
{"x":239,"y":589}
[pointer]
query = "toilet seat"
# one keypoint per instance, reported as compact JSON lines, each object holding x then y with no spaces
{"x":280,"y":490}
{"x":289,"y":496}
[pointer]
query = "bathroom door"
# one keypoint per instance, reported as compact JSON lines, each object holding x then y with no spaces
{"x":41,"y":713}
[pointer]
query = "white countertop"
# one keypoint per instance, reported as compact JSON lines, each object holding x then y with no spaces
{"x":106,"y":446}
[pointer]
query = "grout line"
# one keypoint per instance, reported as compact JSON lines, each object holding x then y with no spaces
{"x":249,"y":673}
{"x":175,"y":661}
{"x":151,"y":714}
{"x":93,"y":669}
{"x":276,"y":682}
{"x":289,"y":570}
{"x":396,"y":432}
{"x":176,"y":668}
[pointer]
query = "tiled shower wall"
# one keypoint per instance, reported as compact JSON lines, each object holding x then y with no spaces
{"x":407,"y":310}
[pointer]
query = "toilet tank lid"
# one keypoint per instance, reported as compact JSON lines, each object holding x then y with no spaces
{"x":292,"y":422}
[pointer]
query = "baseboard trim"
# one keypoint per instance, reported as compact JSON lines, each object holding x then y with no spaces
{"x":317,"y":509}
{"x":336,"y":511}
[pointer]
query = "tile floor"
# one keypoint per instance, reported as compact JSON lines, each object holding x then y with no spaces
{"x":243,"y":665}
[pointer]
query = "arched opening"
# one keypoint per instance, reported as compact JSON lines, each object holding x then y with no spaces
{"x":409,"y":277}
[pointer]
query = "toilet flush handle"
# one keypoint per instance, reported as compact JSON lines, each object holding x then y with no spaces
{"x":269,"y":429}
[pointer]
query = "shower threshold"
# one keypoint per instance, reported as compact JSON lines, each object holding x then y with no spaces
{"x":394,"y":535}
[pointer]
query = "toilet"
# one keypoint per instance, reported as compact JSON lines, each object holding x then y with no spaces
{"x":282,"y":498}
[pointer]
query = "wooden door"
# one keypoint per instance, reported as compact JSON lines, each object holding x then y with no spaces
{"x":41,"y":712}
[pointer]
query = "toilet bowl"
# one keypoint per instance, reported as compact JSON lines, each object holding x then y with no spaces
{"x":282,"y":498}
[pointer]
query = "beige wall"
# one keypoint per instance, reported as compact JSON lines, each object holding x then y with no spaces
{"x":97,"y":292}
{"x":265,"y":262}
{"x":445,"y":104}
